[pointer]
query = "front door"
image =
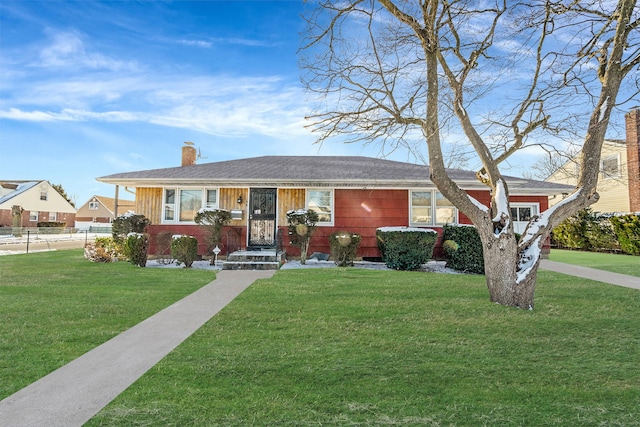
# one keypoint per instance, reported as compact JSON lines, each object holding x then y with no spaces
{"x":262,"y":218}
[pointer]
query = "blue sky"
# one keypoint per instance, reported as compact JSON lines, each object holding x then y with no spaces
{"x":91,"y":88}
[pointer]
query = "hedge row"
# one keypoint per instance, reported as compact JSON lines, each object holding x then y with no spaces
{"x":589,"y":231}
{"x":406,"y":248}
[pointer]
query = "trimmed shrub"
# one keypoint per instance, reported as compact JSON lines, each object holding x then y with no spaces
{"x":126,"y":223}
{"x":213,"y":220}
{"x":344,"y":247}
{"x":184,"y":249}
{"x":302,"y":224}
{"x":406,"y":248}
{"x":136,"y":247}
{"x":627,"y":229}
{"x":463,"y":248}
{"x":47,"y":224}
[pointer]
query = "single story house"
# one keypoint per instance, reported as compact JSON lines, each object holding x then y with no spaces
{"x":26,"y":203}
{"x":356,"y":194}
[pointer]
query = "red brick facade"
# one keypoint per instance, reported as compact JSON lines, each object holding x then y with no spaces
{"x":355,"y":210}
{"x":632,"y":122}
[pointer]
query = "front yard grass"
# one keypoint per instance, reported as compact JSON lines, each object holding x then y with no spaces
{"x":56,"y":306}
{"x":355,"y":347}
{"x":617,"y":263}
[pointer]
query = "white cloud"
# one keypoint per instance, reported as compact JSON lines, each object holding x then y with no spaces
{"x":198,"y":43}
{"x":67,"y":50}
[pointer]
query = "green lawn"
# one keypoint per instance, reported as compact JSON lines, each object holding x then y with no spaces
{"x":356,"y":347}
{"x":617,"y":263}
{"x":56,"y":306}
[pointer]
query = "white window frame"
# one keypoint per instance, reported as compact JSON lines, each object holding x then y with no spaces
{"x":535,"y":210}
{"x":53,"y":216}
{"x":332,"y":206}
{"x":33,"y":216}
{"x":433,"y":208}
{"x":44,"y":196}
{"x":94,"y":206}
{"x":176,"y":202}
{"x":617,"y":174}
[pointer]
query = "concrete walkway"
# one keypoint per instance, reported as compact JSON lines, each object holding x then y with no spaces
{"x":74,"y":393}
{"x":591,"y":274}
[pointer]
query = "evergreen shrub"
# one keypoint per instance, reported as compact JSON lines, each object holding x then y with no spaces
{"x":344,"y":247}
{"x":406,"y":248}
{"x":126,"y":223}
{"x":136,"y":247}
{"x":213,"y":221}
{"x":627,"y":229}
{"x":301,"y":226}
{"x":463,"y":248}
{"x":572,"y":232}
{"x":51,"y":224}
{"x":587,"y":231}
{"x":184,"y":249}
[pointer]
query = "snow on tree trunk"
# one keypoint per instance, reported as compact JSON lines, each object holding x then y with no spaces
{"x":510,"y":280}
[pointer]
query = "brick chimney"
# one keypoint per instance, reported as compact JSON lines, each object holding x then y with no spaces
{"x":188,"y":154}
{"x":632,"y":122}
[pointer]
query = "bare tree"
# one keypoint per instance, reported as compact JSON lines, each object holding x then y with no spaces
{"x":500,"y":72}
{"x":557,"y":160}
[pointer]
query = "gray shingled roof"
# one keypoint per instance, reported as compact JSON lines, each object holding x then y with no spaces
{"x":306,"y":171}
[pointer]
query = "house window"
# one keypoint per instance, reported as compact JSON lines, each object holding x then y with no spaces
{"x":423,"y":205}
{"x":169,"y":205}
{"x":33,"y":216}
{"x":521,"y":214}
{"x":321,"y":201}
{"x":190,"y":204}
{"x":43,"y":195}
{"x":93,"y":206}
{"x":182,"y":204}
{"x":610,"y":167}
{"x":212,"y":199}
{"x":53,"y":216}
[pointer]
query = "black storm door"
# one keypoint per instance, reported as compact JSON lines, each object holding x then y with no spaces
{"x":262,"y":218}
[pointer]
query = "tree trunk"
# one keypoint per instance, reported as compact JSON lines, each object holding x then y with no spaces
{"x":509,"y":280}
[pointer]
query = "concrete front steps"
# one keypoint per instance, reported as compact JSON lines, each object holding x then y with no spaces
{"x":266,"y":259}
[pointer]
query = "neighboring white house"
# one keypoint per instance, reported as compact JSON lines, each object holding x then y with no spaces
{"x":619,"y":181}
{"x":613,"y":182}
{"x":32,"y":202}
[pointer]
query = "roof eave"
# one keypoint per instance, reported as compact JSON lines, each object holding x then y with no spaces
{"x":364,"y":184}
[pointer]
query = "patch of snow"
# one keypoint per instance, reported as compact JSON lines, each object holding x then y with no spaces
{"x":502,"y":206}
{"x":127,"y":214}
{"x":528,"y":259}
{"x":405,"y":229}
{"x":203,"y":210}
{"x":479,"y":205}
{"x":461,"y":108}
{"x":603,"y":109}
{"x":542,"y":220}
